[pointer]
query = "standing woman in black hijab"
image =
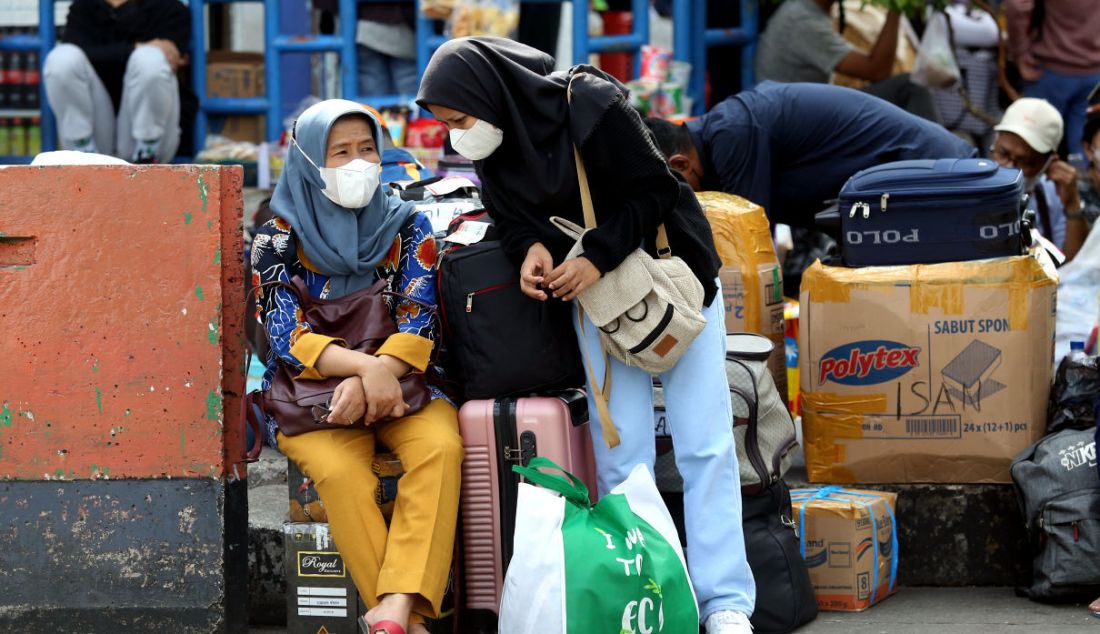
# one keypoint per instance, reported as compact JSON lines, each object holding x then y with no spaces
{"x":507,"y":111}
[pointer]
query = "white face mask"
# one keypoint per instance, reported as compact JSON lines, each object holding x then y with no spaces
{"x":351,"y":185}
{"x":478,"y":142}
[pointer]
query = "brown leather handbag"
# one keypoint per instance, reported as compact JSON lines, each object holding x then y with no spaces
{"x":364,"y":321}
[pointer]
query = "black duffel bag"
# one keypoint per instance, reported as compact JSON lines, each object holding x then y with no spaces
{"x":499,"y":341}
{"x":784,"y":595}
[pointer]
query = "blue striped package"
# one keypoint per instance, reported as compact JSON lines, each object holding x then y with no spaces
{"x":849,"y":540}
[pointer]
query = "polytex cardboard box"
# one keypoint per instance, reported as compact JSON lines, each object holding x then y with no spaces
{"x":849,"y":539}
{"x":320,"y":593}
{"x":925,"y":373}
{"x":752,"y":283}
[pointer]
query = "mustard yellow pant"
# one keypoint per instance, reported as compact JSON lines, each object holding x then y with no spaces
{"x":414,"y":555}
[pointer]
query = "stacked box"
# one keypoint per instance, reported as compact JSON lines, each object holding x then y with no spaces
{"x":236,"y":74}
{"x":320,"y":593}
{"x":849,"y":539}
{"x":925,"y":373}
{"x":752,"y":283}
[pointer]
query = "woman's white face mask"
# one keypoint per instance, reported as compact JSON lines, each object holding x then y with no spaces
{"x":477,"y":142}
{"x":351,"y":185}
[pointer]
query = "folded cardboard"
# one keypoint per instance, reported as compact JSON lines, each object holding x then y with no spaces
{"x":752,"y":283}
{"x":320,"y":594}
{"x":849,"y":540}
{"x":925,"y":373}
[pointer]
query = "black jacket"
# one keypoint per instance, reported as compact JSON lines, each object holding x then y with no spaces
{"x":107,"y":35}
{"x":631,"y":188}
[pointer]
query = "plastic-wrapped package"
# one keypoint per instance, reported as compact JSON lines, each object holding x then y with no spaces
{"x":484,"y":17}
{"x":1076,"y":388}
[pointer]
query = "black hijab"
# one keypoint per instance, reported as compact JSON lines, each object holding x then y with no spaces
{"x":514,"y":87}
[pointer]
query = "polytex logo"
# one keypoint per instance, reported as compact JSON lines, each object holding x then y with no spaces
{"x":867,"y":362}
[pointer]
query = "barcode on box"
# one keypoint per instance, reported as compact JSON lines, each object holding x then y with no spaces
{"x":914,"y":427}
{"x":932,"y":427}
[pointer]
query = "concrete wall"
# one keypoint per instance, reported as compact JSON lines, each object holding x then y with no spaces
{"x":122,"y":499}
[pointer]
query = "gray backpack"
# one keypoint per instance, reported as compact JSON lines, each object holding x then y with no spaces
{"x":1059,"y":493}
{"x":764,"y":433}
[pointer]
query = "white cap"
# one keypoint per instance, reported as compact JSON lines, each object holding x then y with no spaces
{"x":1036,"y":122}
{"x":70,"y":157}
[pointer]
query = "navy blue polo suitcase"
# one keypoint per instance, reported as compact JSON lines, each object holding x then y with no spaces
{"x":928,"y":211}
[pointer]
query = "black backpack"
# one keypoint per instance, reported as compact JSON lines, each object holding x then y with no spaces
{"x":1059,"y":493}
{"x":499,"y":342}
{"x":785,"y":596}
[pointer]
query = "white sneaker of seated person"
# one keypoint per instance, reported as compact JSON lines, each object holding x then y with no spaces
{"x":728,"y":622}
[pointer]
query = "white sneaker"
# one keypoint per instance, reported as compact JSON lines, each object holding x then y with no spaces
{"x":728,"y":622}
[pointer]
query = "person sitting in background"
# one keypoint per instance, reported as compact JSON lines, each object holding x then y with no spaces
{"x":791,"y":147}
{"x":115,"y":84}
{"x":800,"y":45}
{"x":385,"y":42}
{"x":1056,"y":46}
{"x":1088,"y":188}
{"x":1027,"y":139}
{"x":337,"y":230}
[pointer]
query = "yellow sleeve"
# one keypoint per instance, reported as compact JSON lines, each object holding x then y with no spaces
{"x":307,"y":348}
{"x":412,"y":349}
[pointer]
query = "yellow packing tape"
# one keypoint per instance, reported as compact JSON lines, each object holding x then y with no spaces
{"x":939,"y":286}
{"x":743,"y":238}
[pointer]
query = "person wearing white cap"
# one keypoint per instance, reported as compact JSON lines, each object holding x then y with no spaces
{"x":1027,"y":138}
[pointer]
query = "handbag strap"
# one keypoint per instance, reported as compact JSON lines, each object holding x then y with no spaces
{"x":570,"y":486}
{"x":601,"y":394}
{"x":663,"y":250}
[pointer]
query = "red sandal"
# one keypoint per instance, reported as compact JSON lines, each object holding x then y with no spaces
{"x":381,"y":627}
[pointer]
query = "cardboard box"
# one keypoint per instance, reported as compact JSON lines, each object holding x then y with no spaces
{"x":752,"y":282}
{"x":319,"y":590}
{"x":925,"y":373}
{"x":233,"y":74}
{"x":247,"y":127}
{"x":849,"y":539}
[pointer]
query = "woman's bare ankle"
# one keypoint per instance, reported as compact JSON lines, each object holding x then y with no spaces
{"x":392,"y":607}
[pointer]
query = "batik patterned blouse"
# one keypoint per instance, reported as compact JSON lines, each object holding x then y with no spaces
{"x":409,"y":269}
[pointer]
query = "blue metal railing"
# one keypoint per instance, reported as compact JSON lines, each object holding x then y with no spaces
{"x":278,"y":44}
{"x":689,"y":19}
{"x":40,"y":44}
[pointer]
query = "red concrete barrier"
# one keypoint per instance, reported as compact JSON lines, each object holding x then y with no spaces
{"x":121,"y":290}
{"x":112,"y":288}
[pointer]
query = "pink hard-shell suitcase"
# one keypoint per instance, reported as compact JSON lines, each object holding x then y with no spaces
{"x":498,"y":434}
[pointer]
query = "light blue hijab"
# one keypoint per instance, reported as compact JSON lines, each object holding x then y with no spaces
{"x":345,"y":244}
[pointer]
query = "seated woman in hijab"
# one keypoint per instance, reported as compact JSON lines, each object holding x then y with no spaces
{"x":336,"y":230}
{"x":507,"y":111}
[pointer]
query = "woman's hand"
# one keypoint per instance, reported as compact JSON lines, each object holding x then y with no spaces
{"x":537,"y":264}
{"x":573,"y":276}
{"x":383,"y":392}
{"x":349,"y":402}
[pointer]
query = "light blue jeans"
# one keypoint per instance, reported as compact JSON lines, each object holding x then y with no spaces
{"x":697,"y":401}
{"x":385,"y":75}
{"x":1069,"y":94}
